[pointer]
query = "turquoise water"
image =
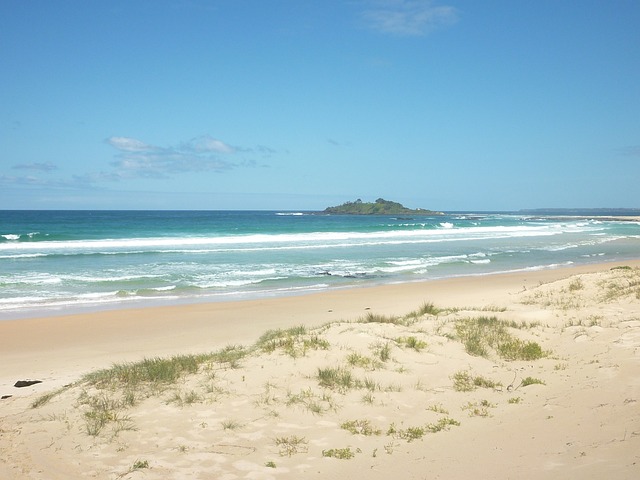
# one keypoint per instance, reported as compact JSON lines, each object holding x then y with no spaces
{"x":63,"y":261}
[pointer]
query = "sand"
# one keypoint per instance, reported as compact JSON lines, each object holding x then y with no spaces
{"x":270,"y":413}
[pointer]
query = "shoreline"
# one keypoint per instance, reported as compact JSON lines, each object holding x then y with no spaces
{"x":59,"y":349}
{"x":558,"y":398}
{"x":143,"y":304}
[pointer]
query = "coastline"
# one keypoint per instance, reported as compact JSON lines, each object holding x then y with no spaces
{"x":579,"y":418}
{"x":60,"y":348}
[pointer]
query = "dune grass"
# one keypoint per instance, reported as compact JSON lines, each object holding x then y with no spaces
{"x":162,"y":372}
{"x":482,"y":335}
{"x":339,"y":453}
{"x":464,"y":381}
{"x":295,"y":341}
{"x":360,"y":427}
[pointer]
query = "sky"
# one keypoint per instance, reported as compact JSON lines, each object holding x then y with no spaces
{"x":302,"y":104}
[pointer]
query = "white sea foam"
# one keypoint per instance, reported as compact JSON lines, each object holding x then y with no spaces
{"x":11,"y":236}
{"x":104,"y":279}
{"x":23,"y":255}
{"x":294,"y":240}
{"x":481,"y":262}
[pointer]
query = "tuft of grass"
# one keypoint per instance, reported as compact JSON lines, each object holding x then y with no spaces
{"x":289,"y":446}
{"x":442,"y":424}
{"x":158,"y":372}
{"x":378,"y":318}
{"x":478,"y":409}
{"x":139,"y":464}
{"x":368,"y":398}
{"x":383,"y":351}
{"x":154,"y":371}
{"x":411,"y":342}
{"x":576,"y":284}
{"x":295,"y":341}
{"x":360,"y":427}
{"x":358,"y":360}
{"x":270,"y":464}
{"x":339,"y":453}
{"x":482,"y":334}
{"x":531,"y":381}
{"x":409,"y":434}
{"x":47,"y":397}
{"x":438,"y":409}
{"x":185,"y":398}
{"x":229,"y":356}
{"x":516,"y":349}
{"x":312,"y":402}
{"x":427,"y":308}
{"x":230,"y":425}
{"x":371,"y":384}
{"x":339,"y":379}
{"x":267,"y":397}
{"x":464,"y":381}
{"x":515,"y":400}
{"x":101,"y":410}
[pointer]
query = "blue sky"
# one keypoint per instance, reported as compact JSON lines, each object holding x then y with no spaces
{"x":301,"y":104}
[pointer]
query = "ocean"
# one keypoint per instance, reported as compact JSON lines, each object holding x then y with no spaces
{"x":54,"y":262}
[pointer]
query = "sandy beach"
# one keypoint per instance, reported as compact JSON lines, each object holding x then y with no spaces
{"x":531,"y":374}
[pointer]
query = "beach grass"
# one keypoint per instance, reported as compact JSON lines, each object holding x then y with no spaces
{"x":483,"y":335}
{"x":465,"y":381}
{"x":360,"y":427}
{"x":291,"y":445}
{"x":339,"y":453}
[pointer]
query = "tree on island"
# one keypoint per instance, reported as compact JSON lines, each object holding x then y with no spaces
{"x":379,"y":207}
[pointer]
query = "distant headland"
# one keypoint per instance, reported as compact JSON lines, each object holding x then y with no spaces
{"x":379,"y":207}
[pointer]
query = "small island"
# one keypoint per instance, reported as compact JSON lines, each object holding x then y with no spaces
{"x":379,"y":207}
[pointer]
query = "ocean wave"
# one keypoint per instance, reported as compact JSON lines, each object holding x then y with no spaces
{"x":23,"y":255}
{"x":283,"y":240}
{"x":16,"y":237}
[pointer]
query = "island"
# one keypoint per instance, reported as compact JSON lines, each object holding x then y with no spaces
{"x":379,"y":207}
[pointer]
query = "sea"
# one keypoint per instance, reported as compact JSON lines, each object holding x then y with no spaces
{"x":59,"y":262}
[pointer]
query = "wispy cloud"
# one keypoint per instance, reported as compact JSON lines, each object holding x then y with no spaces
{"x":137,"y":159}
{"x":127,"y":144}
{"x":207,"y":144}
{"x":408,"y":17}
{"x":40,"y":167}
{"x":33,"y":181}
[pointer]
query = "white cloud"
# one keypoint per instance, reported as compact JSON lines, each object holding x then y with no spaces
{"x":207,"y":143}
{"x":408,"y":17}
{"x":137,"y":159}
{"x":38,"y":166}
{"x":32,"y":181}
{"x":128,"y":144}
